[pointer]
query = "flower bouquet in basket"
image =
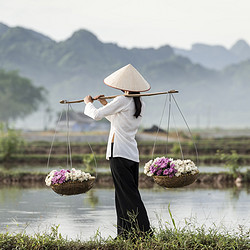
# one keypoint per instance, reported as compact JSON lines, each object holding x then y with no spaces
{"x":171,"y":173}
{"x":69,"y":182}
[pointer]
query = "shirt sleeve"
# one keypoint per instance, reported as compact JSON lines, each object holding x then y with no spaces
{"x":115,"y":106}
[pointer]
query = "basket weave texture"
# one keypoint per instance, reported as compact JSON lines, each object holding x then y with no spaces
{"x":175,"y":181}
{"x":73,"y":187}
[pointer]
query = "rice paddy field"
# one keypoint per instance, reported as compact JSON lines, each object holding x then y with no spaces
{"x":206,"y":216}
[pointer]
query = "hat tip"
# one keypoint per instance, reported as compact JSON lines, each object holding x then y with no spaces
{"x":129,"y":65}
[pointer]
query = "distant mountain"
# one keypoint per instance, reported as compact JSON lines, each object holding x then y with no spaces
{"x":3,"y":29}
{"x":27,"y":51}
{"x":76,"y":67}
{"x":216,"y":57}
{"x":237,"y":76}
{"x":241,"y":49}
{"x":83,"y":60}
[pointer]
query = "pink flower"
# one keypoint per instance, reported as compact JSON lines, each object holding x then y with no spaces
{"x":163,"y":167}
{"x":165,"y":172}
{"x":159,"y":172}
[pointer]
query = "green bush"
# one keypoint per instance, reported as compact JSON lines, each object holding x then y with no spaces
{"x":231,"y":161}
{"x":176,"y":149}
{"x":11,"y":142}
{"x":89,"y":162}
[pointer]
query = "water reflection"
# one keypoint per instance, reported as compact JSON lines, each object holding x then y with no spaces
{"x":91,"y":199}
{"x":9,"y":194}
{"x":36,"y":209}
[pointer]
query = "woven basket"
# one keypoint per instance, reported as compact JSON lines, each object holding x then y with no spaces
{"x":175,"y":181}
{"x":73,"y":187}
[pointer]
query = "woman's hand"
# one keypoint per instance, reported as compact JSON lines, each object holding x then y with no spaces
{"x":88,"y":99}
{"x":102,"y":101}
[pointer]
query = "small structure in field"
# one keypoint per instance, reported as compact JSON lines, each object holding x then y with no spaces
{"x":79,"y":122}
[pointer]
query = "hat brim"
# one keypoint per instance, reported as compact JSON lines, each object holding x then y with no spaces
{"x":127,"y":78}
{"x":127,"y":89}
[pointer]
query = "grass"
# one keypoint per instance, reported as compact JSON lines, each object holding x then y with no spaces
{"x":21,"y":175}
{"x":37,"y":151}
{"x":165,"y":237}
{"x":43,"y":158}
{"x":101,"y":158}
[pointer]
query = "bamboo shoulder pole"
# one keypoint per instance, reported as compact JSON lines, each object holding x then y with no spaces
{"x":127,"y":95}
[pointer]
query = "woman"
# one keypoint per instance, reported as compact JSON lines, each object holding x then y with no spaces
{"x":124,"y":114}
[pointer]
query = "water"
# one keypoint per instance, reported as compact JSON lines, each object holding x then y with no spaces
{"x":81,"y":216}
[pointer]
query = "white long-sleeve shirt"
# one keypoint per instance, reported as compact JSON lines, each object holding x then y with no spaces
{"x":124,"y":126}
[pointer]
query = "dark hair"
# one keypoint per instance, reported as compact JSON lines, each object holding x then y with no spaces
{"x":138,"y":104}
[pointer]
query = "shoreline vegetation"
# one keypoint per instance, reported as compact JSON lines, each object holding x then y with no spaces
{"x":39,"y":143}
{"x":37,"y":151}
{"x":34,"y":159}
{"x":104,"y":180}
{"x":165,"y":237}
{"x":231,"y":152}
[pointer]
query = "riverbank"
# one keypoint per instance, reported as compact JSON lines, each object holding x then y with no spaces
{"x":37,"y":152}
{"x":103,"y":180}
{"x":38,"y":159}
{"x":165,"y":237}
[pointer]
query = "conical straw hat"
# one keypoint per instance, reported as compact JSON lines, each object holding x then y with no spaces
{"x":127,"y":78}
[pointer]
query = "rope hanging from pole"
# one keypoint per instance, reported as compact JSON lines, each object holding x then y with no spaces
{"x":69,"y":162}
{"x":170,"y":113}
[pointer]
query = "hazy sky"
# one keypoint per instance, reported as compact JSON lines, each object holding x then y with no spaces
{"x":135,"y":23}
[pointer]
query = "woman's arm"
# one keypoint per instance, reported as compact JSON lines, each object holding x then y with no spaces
{"x":115,"y":106}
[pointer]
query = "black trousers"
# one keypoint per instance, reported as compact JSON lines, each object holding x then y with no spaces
{"x":131,"y":213}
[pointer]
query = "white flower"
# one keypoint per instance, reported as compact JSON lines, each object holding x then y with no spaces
{"x":148,"y":164}
{"x":181,"y":170}
{"x":147,"y":167}
{"x":195,"y":168}
{"x":81,"y":179}
{"x":74,"y":175}
{"x":177,"y":174}
{"x":150,"y":174}
{"x":185,"y":166}
{"x":52,"y":172}
{"x":67,"y":175}
{"x":48,"y":182}
{"x":78,"y":173}
{"x":49,"y":178}
{"x":182,"y":166}
{"x":87,"y":176}
{"x":176,"y":167}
